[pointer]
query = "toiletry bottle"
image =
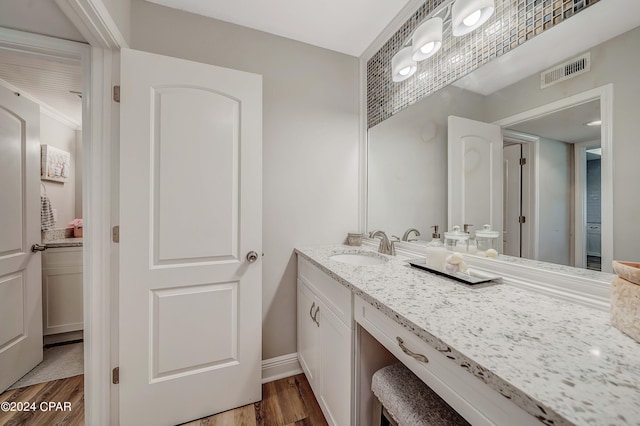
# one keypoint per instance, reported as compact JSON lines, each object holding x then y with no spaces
{"x":472,"y":245}
{"x":436,"y":253}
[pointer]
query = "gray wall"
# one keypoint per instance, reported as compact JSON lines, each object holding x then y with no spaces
{"x":616,"y":61}
{"x":62,"y":195}
{"x":38,"y":16}
{"x":407,"y":163}
{"x":310,"y":141}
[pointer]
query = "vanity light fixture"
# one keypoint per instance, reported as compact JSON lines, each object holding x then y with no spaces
{"x":402,"y":65}
{"x":467,"y":15}
{"x":427,"y":39}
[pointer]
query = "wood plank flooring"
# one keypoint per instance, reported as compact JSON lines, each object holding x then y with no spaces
{"x":285,"y":402}
{"x":63,"y":390}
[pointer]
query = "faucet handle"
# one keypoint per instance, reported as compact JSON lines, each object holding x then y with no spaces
{"x":392,"y":246}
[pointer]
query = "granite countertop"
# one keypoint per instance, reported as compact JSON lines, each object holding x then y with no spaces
{"x":561,"y":362}
{"x":63,"y":242}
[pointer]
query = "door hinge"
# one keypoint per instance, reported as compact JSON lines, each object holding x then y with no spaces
{"x":523,"y":161}
{"x":522,"y":219}
{"x":115,"y":234}
{"x":116,"y":94}
{"x":115,"y":376}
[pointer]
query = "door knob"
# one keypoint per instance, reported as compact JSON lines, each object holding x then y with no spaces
{"x":252,"y":256}
{"x":38,"y":247}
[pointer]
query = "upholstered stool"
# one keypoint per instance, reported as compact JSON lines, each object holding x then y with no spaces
{"x":408,"y":400}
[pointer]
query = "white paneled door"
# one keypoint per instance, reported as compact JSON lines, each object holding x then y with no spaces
{"x":475,"y":173}
{"x":190,"y":239}
{"x":20,"y":279}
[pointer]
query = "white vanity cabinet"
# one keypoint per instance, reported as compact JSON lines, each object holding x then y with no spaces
{"x":62,"y":290}
{"x":478,"y":403}
{"x":325,"y":341}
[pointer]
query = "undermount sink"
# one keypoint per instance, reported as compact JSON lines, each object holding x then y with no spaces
{"x":359,"y":258}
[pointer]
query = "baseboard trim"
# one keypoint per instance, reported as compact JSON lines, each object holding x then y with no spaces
{"x":54,"y":339}
{"x":280,"y":367}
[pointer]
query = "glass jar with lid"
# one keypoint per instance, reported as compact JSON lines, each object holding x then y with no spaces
{"x":456,"y":240}
{"x":487,"y":238}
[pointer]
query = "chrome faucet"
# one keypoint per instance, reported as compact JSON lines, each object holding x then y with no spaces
{"x":408,"y":232}
{"x":386,"y":246}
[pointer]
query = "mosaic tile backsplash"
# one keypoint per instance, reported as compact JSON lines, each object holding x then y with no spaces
{"x":513,"y":23}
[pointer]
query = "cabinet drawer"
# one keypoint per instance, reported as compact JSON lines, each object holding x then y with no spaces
{"x":62,"y":257}
{"x":468,"y":395}
{"x":336,"y":296}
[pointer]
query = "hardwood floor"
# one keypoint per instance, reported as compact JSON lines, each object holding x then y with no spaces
{"x":285,"y":402}
{"x":63,"y":390}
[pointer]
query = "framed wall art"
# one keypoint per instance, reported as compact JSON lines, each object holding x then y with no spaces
{"x":55,"y":164}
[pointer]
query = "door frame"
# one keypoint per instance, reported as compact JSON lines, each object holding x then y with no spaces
{"x":99,"y":139}
{"x":605,"y":95}
{"x":530,"y":192}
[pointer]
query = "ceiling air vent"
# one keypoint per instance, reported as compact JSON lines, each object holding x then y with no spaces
{"x":566,"y":70}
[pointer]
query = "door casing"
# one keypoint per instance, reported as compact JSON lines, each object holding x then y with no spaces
{"x":96,"y":135}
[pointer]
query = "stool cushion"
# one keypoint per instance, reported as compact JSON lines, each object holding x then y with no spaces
{"x":410,"y":401}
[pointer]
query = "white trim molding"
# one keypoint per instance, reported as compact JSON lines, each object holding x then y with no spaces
{"x":94,"y":22}
{"x":96,"y":207}
{"x":44,"y":107}
{"x":280,"y":367}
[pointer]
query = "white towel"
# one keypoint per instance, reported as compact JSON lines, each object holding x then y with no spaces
{"x":46,"y":214}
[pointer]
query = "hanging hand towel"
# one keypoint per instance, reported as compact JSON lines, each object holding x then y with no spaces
{"x":46,"y":214}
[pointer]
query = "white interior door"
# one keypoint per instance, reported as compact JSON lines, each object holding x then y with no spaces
{"x":20,"y":275}
{"x":475,"y":173}
{"x":190,"y":212}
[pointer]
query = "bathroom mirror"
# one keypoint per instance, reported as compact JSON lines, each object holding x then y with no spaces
{"x":408,"y":160}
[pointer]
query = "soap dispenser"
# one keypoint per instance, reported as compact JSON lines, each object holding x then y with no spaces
{"x":436,"y":253}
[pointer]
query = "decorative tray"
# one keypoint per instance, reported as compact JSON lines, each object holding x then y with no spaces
{"x":471,"y":277}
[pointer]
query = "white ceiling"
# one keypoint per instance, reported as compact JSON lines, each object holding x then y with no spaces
{"x":45,"y":81}
{"x":568,"y":125}
{"x":346,"y":26}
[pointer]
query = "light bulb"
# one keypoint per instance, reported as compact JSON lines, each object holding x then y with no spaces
{"x":427,"y":39}
{"x":402,"y":66}
{"x":427,"y":48}
{"x":472,"y":19}
{"x":405,"y":71}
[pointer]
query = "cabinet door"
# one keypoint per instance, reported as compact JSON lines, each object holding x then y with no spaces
{"x":62,"y":300}
{"x":308,"y":335}
{"x":335,"y":367}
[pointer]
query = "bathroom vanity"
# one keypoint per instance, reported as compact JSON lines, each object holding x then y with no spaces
{"x":62,"y":286}
{"x":497,"y":354}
